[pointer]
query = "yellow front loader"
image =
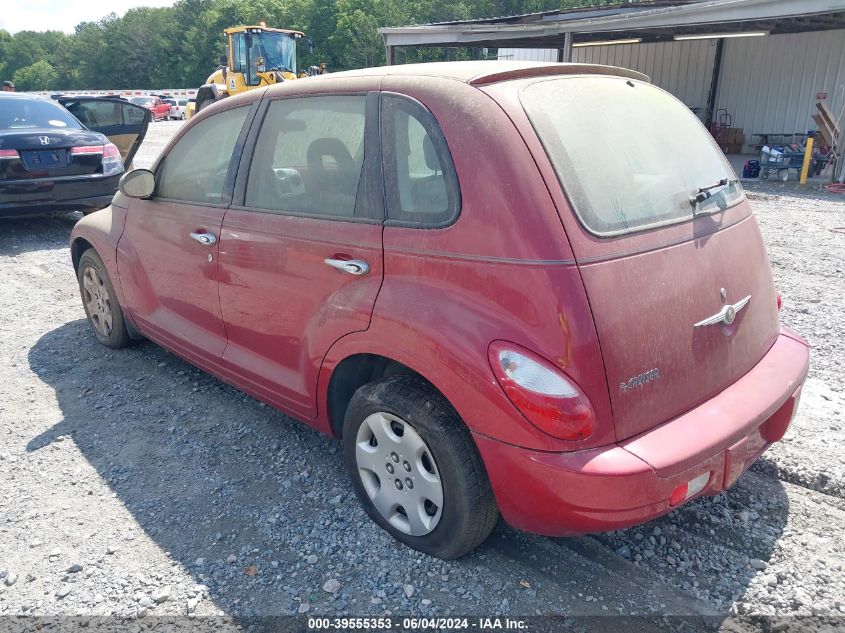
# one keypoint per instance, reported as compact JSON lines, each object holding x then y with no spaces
{"x":256,"y":56}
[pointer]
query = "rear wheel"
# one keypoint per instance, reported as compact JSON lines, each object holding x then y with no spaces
{"x":207,"y":95}
{"x":415,"y":468}
{"x":100,"y":301}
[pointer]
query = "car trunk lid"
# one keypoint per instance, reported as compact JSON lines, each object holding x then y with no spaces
{"x":49,"y":153}
{"x":659,"y":364}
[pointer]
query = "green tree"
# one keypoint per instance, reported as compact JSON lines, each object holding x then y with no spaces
{"x":181,"y":45}
{"x":38,"y":76}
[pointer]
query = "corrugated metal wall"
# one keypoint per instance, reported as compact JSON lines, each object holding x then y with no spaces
{"x":682,"y":68}
{"x":529,"y":54}
{"x":768,"y":84}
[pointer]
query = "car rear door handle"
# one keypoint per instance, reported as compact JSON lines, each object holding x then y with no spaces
{"x":351,"y":266}
{"x":206,"y":239}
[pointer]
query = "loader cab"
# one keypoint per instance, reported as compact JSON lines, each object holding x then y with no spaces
{"x":258,"y":55}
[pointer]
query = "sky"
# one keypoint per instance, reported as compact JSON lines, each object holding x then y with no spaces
{"x":63,"y":15}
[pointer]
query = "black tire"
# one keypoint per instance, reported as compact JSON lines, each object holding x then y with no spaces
{"x":115,"y":334}
{"x":469,"y":511}
{"x":207,"y":95}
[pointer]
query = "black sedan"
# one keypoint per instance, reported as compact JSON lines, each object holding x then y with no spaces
{"x":64,"y":155}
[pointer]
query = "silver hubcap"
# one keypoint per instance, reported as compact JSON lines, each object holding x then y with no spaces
{"x":399,"y":474}
{"x":97,"y":301}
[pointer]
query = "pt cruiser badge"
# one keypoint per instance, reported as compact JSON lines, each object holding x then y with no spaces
{"x":640,"y":380}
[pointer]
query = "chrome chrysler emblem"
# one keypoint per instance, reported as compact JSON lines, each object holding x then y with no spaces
{"x":45,"y":140}
{"x":727,"y":314}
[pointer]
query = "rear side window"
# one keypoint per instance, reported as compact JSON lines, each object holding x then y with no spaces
{"x":420,"y":182}
{"x":195,"y":168}
{"x":105,"y":113}
{"x":309,"y":156}
{"x":628,"y":154}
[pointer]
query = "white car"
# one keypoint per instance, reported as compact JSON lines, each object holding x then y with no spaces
{"x":177,"y":110}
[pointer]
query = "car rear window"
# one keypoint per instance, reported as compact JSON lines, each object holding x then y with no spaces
{"x":629,"y":155}
{"x":23,"y":113}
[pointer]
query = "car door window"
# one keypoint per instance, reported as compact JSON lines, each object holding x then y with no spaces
{"x":309,"y":157}
{"x":195,"y":169}
{"x":96,"y":113}
{"x":124,"y":124}
{"x":421,"y":185}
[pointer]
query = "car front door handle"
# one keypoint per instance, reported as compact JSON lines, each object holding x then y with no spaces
{"x":351,"y":266}
{"x":206,"y":239}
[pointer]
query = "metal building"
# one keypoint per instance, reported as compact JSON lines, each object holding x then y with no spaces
{"x":764,"y":62}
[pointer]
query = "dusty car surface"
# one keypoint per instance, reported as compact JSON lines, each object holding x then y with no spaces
{"x":66,"y":154}
{"x":492,"y":280}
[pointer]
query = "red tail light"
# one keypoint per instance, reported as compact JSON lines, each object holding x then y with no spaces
{"x":112,"y":163}
{"x":86,"y":150}
{"x":780,"y":302}
{"x":110,"y":151}
{"x":543,"y":394}
{"x":9,"y":154}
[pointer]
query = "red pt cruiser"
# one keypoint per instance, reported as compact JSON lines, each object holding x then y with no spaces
{"x":528,"y":289}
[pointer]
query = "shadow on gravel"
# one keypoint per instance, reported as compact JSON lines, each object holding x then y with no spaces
{"x":209,"y":473}
{"x":21,"y":235}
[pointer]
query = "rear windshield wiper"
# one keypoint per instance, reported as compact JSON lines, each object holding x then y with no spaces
{"x":706,"y":192}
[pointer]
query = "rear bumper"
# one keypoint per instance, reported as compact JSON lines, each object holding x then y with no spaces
{"x":630,"y":482}
{"x":22,"y":197}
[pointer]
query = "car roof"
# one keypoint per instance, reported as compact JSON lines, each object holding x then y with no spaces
{"x":25,"y":95}
{"x":488,"y":71}
{"x":474,"y":73}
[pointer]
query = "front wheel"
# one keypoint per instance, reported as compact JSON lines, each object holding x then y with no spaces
{"x":100,"y":301}
{"x":415,"y":468}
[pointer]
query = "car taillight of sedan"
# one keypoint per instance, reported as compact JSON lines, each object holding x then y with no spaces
{"x":112,"y":163}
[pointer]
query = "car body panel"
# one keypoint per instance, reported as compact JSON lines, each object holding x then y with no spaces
{"x":279,"y":343}
{"x":169,"y":279}
{"x":44,"y":153}
{"x":646,"y":307}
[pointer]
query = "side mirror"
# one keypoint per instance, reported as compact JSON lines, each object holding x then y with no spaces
{"x":138,"y":183}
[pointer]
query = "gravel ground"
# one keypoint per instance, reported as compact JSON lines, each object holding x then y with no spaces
{"x":132,"y":484}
